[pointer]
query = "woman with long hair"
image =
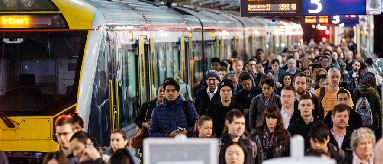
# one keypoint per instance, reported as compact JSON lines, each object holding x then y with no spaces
{"x":286,"y":80}
{"x":119,"y":140}
{"x":274,"y":138}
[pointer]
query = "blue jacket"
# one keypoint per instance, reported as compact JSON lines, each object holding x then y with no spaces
{"x":169,"y":116}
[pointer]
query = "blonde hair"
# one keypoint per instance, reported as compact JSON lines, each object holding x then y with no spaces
{"x":361,"y":133}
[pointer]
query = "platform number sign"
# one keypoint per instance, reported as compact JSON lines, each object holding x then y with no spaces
{"x":334,"y":7}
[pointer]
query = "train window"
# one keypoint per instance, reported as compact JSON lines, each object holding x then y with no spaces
{"x":35,"y":77}
{"x":27,"y":5}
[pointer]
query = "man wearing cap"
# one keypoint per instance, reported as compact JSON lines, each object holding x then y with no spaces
{"x":218,"y":110}
{"x":209,"y":94}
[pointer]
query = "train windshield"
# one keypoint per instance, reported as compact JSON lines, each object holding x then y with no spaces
{"x":39,"y":71}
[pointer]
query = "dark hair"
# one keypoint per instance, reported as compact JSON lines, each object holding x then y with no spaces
{"x":268,"y":81}
{"x":202,"y":119}
{"x":321,"y":77}
{"x":340,"y":108}
{"x":64,"y":120}
{"x":245,"y":76}
{"x":342,"y":90}
{"x":300,"y":74}
{"x":274,"y":112}
{"x":316,"y":66}
{"x":226,"y":146}
{"x":282,"y":77}
{"x":306,"y":97}
{"x":357,"y":60}
{"x":172,"y":82}
{"x":253,"y":59}
{"x":260,"y":49}
{"x":121,"y":156}
{"x":362,"y":66}
{"x":78,"y":119}
{"x":167,"y":79}
{"x":233,"y":113}
{"x":59,"y":156}
{"x":369,"y":80}
{"x":222,"y":68}
{"x":275,"y":61}
{"x":123,"y":134}
{"x":224,"y":64}
{"x":215,"y":60}
{"x":81,"y":136}
{"x":320,"y":131}
{"x":369,"y":61}
{"x":289,"y":88}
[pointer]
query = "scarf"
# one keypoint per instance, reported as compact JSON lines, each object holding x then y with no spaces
{"x":268,"y":142}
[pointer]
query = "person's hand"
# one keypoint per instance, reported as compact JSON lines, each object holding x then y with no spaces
{"x":246,"y":111}
{"x":183,"y":132}
{"x":173,"y":133}
{"x":92,"y":153}
{"x":146,"y":124}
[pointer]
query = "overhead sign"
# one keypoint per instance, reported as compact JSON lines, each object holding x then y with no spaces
{"x":334,"y":7}
{"x":316,"y":19}
{"x":347,"y":20}
{"x":271,"y":7}
{"x":373,"y":7}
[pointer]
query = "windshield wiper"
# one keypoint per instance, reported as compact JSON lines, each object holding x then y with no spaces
{"x":6,"y":120}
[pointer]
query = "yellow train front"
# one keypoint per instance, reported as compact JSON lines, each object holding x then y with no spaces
{"x":42,"y":50}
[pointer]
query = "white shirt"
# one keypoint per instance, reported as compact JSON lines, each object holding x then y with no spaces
{"x":339,"y":139}
{"x":211,"y":94}
{"x":286,"y":118}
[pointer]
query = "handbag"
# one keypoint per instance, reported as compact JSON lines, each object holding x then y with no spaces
{"x":138,"y":137}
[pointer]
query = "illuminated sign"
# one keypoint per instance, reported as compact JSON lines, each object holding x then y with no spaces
{"x":320,"y":27}
{"x":271,"y":7}
{"x":32,"y":21}
{"x":373,"y":7}
{"x":347,"y":20}
{"x":334,"y":7}
{"x":316,"y":19}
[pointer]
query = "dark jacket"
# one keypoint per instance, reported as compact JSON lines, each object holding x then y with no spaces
{"x":337,"y":154}
{"x":375,"y":103}
{"x":346,"y":141}
{"x":203,"y":101}
{"x":318,"y":112}
{"x":253,"y":147}
{"x":278,"y":150}
{"x":354,"y":122}
{"x":145,"y":112}
{"x":258,"y":106}
{"x":169,"y":116}
{"x":244,"y":97}
{"x":300,"y":127}
{"x":217,"y":112}
{"x":352,"y":82}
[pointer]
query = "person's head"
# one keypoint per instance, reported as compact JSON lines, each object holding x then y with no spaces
{"x":306,"y":71}
{"x":167,"y":79}
{"x":78,"y":143}
{"x":325,"y":62}
{"x":259,"y":68}
{"x":267,"y":87}
{"x":215,"y":63}
{"x":300,"y":83}
{"x":363,"y":69}
{"x":172,"y":90}
{"x":78,"y":122}
{"x":205,"y":127}
{"x":161,"y":93}
{"x":121,"y":156}
{"x":340,"y":115}
{"x":275,"y":65}
{"x":252,"y":63}
{"x":319,"y":135}
{"x":335,"y":55}
{"x":236,"y":153}
{"x":369,"y":80}
{"x":363,"y":141}
{"x":65,"y":128}
{"x":322,"y":81}
{"x":118,"y":140}
{"x":343,"y":97}
{"x":288,"y":95}
{"x":246,"y":81}
{"x":292,"y":64}
{"x":315,"y":69}
{"x":356,"y":65}
{"x":306,"y":106}
{"x":226,"y":90}
{"x":55,"y":158}
{"x":334,"y":77}
{"x":273,"y":120}
{"x":233,"y":77}
{"x":237,"y":66}
{"x":286,"y":80}
{"x":306,"y":62}
{"x":222,"y":72}
{"x":309,"y":82}
{"x":369,"y":61}
{"x":260,"y":55}
{"x":212,"y":79}
{"x":235,"y":122}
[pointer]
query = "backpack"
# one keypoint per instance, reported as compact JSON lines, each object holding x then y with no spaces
{"x":190,"y":123}
{"x":363,"y":107}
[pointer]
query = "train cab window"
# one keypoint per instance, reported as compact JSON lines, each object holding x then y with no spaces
{"x":35,"y":78}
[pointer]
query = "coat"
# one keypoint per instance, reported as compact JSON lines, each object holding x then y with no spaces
{"x":258,"y":106}
{"x":169,"y":116}
{"x":300,"y":127}
{"x":203,"y":101}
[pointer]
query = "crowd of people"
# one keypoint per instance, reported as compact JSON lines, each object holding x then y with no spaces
{"x":324,"y":93}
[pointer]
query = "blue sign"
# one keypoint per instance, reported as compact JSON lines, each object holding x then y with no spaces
{"x":334,"y":7}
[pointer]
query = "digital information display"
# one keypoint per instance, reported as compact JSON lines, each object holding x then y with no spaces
{"x":334,"y":7}
{"x":32,"y":21}
{"x":271,"y":7}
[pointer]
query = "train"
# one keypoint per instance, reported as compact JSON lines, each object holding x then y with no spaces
{"x":103,"y":59}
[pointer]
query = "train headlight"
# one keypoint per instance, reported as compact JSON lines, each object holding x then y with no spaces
{"x":27,"y":3}
{"x":10,"y":3}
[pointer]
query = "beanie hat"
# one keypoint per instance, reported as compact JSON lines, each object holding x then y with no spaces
{"x":226,"y":82}
{"x":213,"y":73}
